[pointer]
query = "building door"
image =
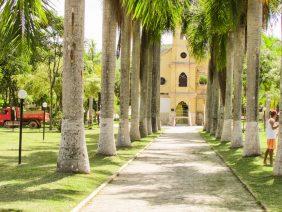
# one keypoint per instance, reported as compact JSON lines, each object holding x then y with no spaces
{"x":182,"y":113}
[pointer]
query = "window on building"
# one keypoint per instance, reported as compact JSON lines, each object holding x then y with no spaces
{"x":163,"y":81}
{"x":183,"y":55}
{"x":183,"y":80}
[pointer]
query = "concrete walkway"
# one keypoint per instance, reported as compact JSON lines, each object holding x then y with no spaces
{"x":178,"y":172}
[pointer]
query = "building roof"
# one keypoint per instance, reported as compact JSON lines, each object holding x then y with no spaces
{"x":165,"y":48}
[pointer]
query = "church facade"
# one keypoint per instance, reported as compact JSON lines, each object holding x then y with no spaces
{"x":183,"y":85}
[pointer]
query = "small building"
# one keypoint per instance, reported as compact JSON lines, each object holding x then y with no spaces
{"x":183,"y":84}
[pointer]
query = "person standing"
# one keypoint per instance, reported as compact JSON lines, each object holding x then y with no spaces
{"x":271,"y":126}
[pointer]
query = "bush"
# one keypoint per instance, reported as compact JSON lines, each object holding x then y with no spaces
{"x":203,"y":80}
{"x":57,"y":120}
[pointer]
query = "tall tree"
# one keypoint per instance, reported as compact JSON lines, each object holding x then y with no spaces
{"x":73,"y":156}
{"x":227,"y":122}
{"x":278,"y":160}
{"x":123,"y":133}
{"x":156,"y":85}
{"x":239,"y":53}
{"x":106,"y":144}
{"x":155,"y":16}
{"x":208,"y":100}
{"x":254,"y":28}
{"x":144,"y":82}
{"x":149,"y":87}
{"x":135,"y":82}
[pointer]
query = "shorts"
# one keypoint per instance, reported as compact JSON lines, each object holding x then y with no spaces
{"x":271,"y":144}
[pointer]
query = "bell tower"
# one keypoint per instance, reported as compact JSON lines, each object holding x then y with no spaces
{"x":179,"y":46}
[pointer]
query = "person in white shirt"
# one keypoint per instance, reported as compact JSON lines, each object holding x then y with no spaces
{"x":271,"y":126}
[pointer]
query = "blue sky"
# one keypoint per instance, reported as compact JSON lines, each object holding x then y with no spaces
{"x":93,"y":22}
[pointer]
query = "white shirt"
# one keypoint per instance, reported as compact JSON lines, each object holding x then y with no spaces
{"x":270,"y":133}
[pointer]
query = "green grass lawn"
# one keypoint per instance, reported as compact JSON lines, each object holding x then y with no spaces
{"x":259,"y":178}
{"x":35,"y":185}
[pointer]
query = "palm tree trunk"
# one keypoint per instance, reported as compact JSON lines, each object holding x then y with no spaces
{"x":51,"y":110}
{"x":149,"y":90}
{"x":135,"y":83}
{"x":239,"y":53}
{"x":208,"y":99}
{"x":123,"y":133}
{"x":254,"y":21}
{"x":106,"y":144}
{"x":156,"y":85}
{"x":215,"y":103}
{"x":267,"y":106}
{"x":278,"y":160}
{"x":90,"y":109}
{"x":220,"y":116}
{"x":73,"y":156}
{"x":227,"y":122}
{"x":144,"y":83}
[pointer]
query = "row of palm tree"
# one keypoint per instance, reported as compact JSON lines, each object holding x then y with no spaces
{"x":231,"y":31}
{"x":141,"y":22}
{"x":220,"y":28}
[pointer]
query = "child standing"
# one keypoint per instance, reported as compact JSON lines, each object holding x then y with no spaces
{"x":271,"y":136}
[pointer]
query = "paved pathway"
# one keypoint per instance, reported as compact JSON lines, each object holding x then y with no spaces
{"x":178,"y":172}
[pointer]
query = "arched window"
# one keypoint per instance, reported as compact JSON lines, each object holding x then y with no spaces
{"x":183,"y":80}
{"x":163,"y":81}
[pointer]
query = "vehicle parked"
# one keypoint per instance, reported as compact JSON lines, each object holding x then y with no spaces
{"x":10,"y":117}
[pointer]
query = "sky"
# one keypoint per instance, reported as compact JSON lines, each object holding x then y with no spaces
{"x":93,"y":22}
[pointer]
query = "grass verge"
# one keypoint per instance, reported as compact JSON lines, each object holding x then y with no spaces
{"x":258,"y":178}
{"x":35,"y":185}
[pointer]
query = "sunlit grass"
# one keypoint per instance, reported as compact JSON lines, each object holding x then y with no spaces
{"x":35,"y":185}
{"x":259,"y":178}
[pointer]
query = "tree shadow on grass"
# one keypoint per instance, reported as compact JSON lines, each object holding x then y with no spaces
{"x":31,"y":180}
{"x":251,"y":170}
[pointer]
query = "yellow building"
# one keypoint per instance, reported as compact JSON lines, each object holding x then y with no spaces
{"x":182,"y":92}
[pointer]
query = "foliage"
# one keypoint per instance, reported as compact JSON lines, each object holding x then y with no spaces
{"x":92,"y":70}
{"x":271,"y":52}
{"x":21,"y":22}
{"x":157,"y":15}
{"x":58,"y":120}
{"x":206,"y":24}
{"x":269,"y":82}
{"x":203,"y":80}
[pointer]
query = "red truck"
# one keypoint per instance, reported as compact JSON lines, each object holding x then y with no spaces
{"x":10,"y":117}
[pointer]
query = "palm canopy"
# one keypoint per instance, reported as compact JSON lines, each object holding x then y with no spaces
{"x":204,"y":31}
{"x":156,"y":15}
{"x":207,"y":20}
{"x":22,"y":21}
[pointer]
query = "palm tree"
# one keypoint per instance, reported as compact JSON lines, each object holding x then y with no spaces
{"x":215,"y":103}
{"x":149,"y":88}
{"x":73,"y":156}
{"x":106,"y":145}
{"x":123,"y":134}
{"x":144,"y":68}
{"x":156,"y":86}
{"x":155,"y":16}
{"x":220,"y":114}
{"x":135,"y":82}
{"x":227,"y":122}
{"x":278,"y":160}
{"x":254,"y":28}
{"x":22,"y":22}
{"x":239,"y":53}
{"x":208,"y":100}
{"x":90,"y":112}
